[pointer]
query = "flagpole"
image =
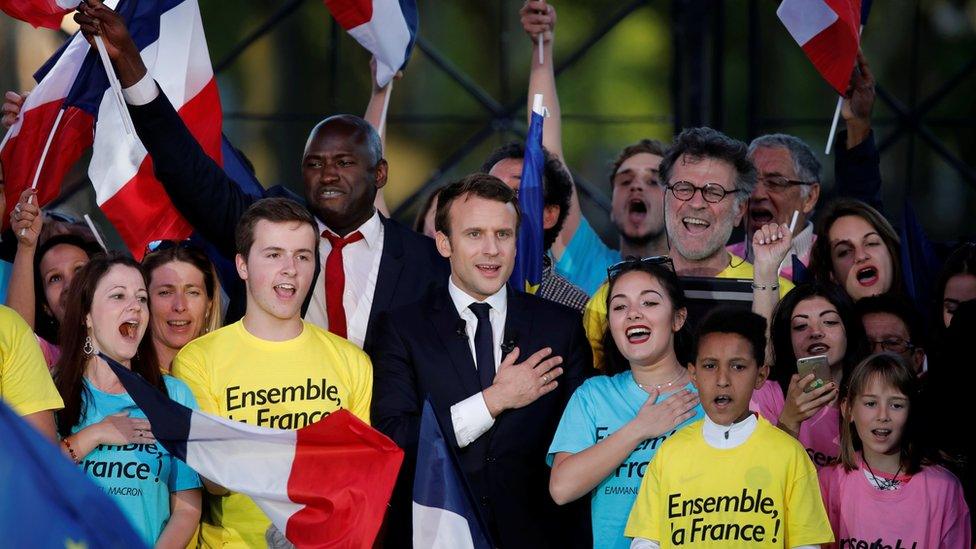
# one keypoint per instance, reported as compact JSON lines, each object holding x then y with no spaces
{"x":840,"y":101}
{"x":40,"y":163}
{"x":113,"y":81}
{"x":98,"y":237}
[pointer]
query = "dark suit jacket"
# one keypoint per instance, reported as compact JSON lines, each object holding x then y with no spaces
{"x":418,"y":352}
{"x":213,"y":203}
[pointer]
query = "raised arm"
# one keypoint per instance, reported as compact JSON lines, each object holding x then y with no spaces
{"x":198,"y":187}
{"x":376,"y":111}
{"x":25,"y":222}
{"x":539,"y":18}
{"x":857,"y":162}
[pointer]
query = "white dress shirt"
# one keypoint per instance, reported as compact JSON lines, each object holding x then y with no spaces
{"x":471,"y":417}
{"x":722,"y":437}
{"x":361,"y":265}
{"x":142,"y":92}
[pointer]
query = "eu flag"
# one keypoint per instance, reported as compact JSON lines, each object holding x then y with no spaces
{"x":47,"y":501}
{"x":527,"y":275}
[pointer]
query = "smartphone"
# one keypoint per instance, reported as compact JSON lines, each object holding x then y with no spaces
{"x":817,"y":365}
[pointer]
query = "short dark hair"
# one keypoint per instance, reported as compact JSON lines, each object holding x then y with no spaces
{"x":478,"y":184}
{"x":649,"y":146}
{"x":897,"y":305}
{"x":821,"y":262}
{"x":731,"y":320}
{"x":275,"y":210}
{"x":701,"y":143}
{"x":557,"y":183}
{"x":374,"y":145}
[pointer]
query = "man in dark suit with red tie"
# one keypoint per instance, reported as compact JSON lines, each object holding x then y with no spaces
{"x":371,"y":263}
{"x":498,"y":366}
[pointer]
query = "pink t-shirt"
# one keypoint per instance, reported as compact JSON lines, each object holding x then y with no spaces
{"x":927,"y":511}
{"x":820,"y":434}
{"x":51,"y":352}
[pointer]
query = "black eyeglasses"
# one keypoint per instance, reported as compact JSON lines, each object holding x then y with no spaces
{"x":713,"y":193}
{"x":160,"y":245}
{"x":895,"y":345}
{"x":777,"y":183}
{"x":631,"y":263}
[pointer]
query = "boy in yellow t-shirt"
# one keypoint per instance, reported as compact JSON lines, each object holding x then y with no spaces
{"x":732,"y":479}
{"x":271,"y":369}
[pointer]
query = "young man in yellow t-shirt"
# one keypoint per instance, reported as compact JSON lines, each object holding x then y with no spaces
{"x":271,"y":369}
{"x":732,"y":479}
{"x":25,"y":383}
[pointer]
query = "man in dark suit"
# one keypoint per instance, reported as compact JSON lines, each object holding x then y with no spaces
{"x":365,"y":255}
{"x":498,"y":366}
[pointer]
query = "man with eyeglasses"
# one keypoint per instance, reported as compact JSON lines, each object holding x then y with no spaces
{"x":708,"y":180}
{"x":892,"y":324}
{"x":789,"y":174}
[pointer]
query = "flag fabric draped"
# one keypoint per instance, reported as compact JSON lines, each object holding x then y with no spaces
{"x":325,"y":485}
{"x":829,"y":34}
{"x":387,"y":28}
{"x":527,"y":275}
{"x":73,"y":97}
{"x":47,"y":501}
{"x":40,"y":13}
{"x":444,"y":515}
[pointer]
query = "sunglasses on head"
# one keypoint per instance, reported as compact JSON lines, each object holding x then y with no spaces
{"x":160,"y":245}
{"x":632,"y":263}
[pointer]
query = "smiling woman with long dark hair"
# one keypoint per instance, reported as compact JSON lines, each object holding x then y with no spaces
{"x":100,"y":426}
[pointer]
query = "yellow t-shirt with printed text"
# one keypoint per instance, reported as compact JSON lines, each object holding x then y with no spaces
{"x":277,"y":384}
{"x":762,"y":493}
{"x":595,"y":313}
{"x":25,"y":382}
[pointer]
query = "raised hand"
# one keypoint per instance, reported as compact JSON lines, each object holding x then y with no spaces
{"x":538,"y":17}
{"x":26,"y":219}
{"x":96,"y":19}
{"x":770,"y":244}
{"x":859,"y":97}
{"x":518,"y":385}
{"x":12,"y":103}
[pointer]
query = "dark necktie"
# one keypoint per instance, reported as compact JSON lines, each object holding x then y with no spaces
{"x":483,"y":344}
{"x":335,"y":281}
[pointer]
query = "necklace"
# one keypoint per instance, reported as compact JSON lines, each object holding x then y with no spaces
{"x":660,"y":386}
{"x":882,"y":483}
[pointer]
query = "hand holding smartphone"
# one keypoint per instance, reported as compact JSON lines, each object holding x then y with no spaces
{"x":817,"y":365}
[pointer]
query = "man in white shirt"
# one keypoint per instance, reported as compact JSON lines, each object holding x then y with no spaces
{"x":498,"y":366}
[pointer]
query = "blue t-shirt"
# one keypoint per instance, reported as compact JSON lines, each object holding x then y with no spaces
{"x":139,"y":477}
{"x":600,"y":407}
{"x":4,"y":279}
{"x":585,"y":260}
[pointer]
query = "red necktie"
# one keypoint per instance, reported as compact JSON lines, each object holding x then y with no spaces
{"x":335,"y":281}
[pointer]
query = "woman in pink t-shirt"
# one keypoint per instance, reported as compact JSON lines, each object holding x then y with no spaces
{"x":883,"y":493}
{"x":813,"y":319}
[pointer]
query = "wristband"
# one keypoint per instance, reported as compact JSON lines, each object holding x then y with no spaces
{"x":774,"y":286}
{"x":71,"y":451}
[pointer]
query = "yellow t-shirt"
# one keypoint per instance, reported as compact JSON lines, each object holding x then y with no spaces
{"x":595,"y":313}
{"x":762,"y":493}
{"x":25,"y":383}
{"x":279,"y":384}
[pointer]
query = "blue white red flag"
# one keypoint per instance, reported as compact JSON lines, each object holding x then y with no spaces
{"x":829,"y":33}
{"x":387,"y":28}
{"x":73,"y":97}
{"x":527,"y":275}
{"x":325,"y":485}
{"x":444,"y":515}
{"x":47,"y":501}
{"x":40,"y":13}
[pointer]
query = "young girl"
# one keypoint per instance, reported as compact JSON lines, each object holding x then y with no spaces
{"x":614,"y":423}
{"x":882,"y":492}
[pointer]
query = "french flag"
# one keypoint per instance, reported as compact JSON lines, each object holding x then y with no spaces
{"x":829,"y":33}
{"x":73,"y":98}
{"x":40,"y":13}
{"x":444,"y":515}
{"x":325,"y":485}
{"x":387,"y":28}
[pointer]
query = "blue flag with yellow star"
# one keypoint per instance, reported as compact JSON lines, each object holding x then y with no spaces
{"x":527,"y":275}
{"x":48,"y":501}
